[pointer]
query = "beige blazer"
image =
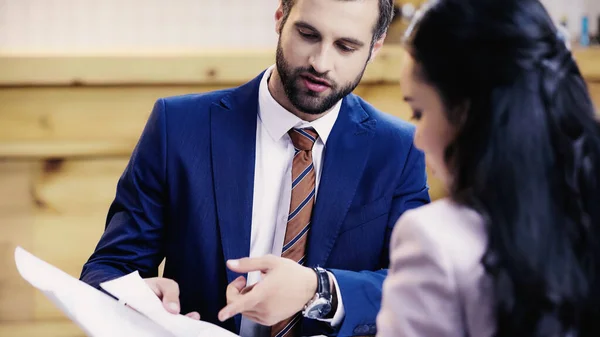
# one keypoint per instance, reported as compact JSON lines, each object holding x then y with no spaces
{"x":436,"y":286}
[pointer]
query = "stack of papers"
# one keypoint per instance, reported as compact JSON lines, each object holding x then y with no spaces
{"x":100,"y":315}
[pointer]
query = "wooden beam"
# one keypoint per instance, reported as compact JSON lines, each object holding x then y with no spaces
{"x":68,"y":122}
{"x":93,"y":121}
{"x":230,"y":67}
{"x":218,"y":67}
{"x":58,"y":149}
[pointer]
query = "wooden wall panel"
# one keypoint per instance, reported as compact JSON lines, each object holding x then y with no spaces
{"x":40,"y":122}
{"x":16,"y":228}
{"x":594,"y":88}
{"x":59,"y":328}
{"x":76,"y":187}
{"x":66,"y":241}
{"x":56,"y":209}
{"x":387,"y":98}
{"x":93,"y":121}
{"x":68,"y":121}
{"x":588,"y":60}
{"x":16,"y":295}
{"x":72,"y":199}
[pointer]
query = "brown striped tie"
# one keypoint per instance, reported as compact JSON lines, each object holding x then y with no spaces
{"x":301,"y":205}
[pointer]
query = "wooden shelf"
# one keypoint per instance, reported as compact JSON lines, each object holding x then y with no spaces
{"x":227,"y":67}
{"x":64,"y":149}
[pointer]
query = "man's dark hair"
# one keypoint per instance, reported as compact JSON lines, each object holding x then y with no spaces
{"x":386,"y":14}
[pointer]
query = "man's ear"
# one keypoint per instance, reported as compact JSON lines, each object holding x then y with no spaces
{"x":377,"y":47}
{"x":279,"y":18}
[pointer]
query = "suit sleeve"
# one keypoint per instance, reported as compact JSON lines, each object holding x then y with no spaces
{"x":420,"y":296}
{"x":361,"y":291}
{"x":134,"y":231}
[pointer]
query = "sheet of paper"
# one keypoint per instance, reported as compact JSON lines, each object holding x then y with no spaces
{"x":132,"y":290}
{"x":100,"y":315}
{"x":96,"y":313}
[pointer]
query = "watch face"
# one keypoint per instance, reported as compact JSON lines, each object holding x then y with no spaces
{"x":318,"y":309}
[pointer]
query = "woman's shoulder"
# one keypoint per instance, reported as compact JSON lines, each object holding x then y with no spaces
{"x":444,"y":213}
{"x":453,"y":230}
{"x":454,"y":238}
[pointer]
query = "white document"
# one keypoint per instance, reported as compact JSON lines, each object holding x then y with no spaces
{"x":132,"y":290}
{"x":100,"y":315}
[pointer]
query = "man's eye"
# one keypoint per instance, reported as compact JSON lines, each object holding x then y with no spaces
{"x":308,"y":36}
{"x":345,"y":48}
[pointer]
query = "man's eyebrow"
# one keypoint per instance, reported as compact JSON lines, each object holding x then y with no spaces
{"x":350,"y":40}
{"x":303,"y":24}
{"x":353,"y":41}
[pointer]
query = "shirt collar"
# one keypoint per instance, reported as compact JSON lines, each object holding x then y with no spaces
{"x":278,"y":121}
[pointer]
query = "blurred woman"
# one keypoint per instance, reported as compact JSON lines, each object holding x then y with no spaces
{"x":507,"y":124}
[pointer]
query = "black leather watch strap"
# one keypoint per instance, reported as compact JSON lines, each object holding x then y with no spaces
{"x":323,"y":285}
{"x":334,"y":302}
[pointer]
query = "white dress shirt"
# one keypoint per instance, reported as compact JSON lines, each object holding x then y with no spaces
{"x":273,"y":183}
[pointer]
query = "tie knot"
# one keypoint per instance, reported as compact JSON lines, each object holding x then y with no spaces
{"x":303,"y":139}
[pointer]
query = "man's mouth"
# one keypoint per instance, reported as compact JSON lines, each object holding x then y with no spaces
{"x":314,"y":83}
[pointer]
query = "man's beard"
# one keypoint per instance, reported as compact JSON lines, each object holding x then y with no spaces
{"x":303,"y":99}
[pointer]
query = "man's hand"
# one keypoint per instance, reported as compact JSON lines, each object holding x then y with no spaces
{"x":283,"y":291}
{"x":168,"y":291}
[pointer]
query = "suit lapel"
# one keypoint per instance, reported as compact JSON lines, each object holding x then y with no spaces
{"x":233,"y":141}
{"x":345,"y":156}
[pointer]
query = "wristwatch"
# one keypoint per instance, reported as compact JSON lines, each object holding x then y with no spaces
{"x":320,"y":305}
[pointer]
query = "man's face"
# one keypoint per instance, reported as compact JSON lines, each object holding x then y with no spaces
{"x":323,"y":50}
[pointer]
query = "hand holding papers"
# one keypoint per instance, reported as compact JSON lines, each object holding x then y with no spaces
{"x":100,"y":315}
{"x":132,"y":290}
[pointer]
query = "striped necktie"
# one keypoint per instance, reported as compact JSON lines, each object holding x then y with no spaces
{"x":301,"y":205}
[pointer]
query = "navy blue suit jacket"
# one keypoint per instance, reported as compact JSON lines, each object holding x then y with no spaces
{"x":186,"y":195}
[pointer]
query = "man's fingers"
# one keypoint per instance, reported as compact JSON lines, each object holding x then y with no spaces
{"x":239,"y":305}
{"x":193,"y":315}
{"x":170,"y":297}
{"x":239,"y":283}
{"x":151,"y":282}
{"x":168,"y":291}
{"x":247,"y":289}
{"x":233,"y":289}
{"x":250,"y":264}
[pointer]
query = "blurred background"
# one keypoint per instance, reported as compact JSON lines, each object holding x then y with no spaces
{"x":78,"y":79}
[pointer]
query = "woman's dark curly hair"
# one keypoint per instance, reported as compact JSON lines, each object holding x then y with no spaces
{"x":526,"y":156}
